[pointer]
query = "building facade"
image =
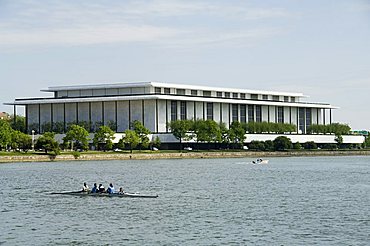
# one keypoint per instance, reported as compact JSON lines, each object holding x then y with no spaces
{"x":155,"y":104}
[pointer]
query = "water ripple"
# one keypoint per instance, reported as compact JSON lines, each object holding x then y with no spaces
{"x":291,"y":201}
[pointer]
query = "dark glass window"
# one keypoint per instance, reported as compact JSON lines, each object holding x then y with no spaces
{"x":235,"y":95}
{"x":280,"y":114}
{"x":258,"y":113}
{"x":242,"y":95}
{"x":227,"y":94}
{"x":292,"y":99}
{"x":219,"y":94}
{"x":254,"y":96}
{"x":243,"y":113}
{"x":167,"y":91}
{"x":180,"y":91}
{"x":250,"y":113}
{"x":275,"y":98}
{"x":183,"y":110}
{"x":301,"y":120}
{"x":158,"y":90}
{"x":207,"y":93}
{"x":209,"y":111}
{"x":235,"y":112}
{"x":265,"y":97}
{"x":286,"y":99}
{"x":173,"y":110}
{"x":194,"y":92}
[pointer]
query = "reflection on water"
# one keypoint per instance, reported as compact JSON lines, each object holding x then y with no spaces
{"x":207,"y":201}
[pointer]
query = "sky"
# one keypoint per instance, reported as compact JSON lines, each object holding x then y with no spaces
{"x":317,"y":47}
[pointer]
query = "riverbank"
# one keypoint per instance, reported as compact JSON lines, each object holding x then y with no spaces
{"x":175,"y":155}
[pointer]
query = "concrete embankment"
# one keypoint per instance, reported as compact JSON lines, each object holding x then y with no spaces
{"x":148,"y":156}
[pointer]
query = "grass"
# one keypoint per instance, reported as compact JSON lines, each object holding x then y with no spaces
{"x":127,"y":152}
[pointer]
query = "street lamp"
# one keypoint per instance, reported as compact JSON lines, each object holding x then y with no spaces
{"x":33,"y":140}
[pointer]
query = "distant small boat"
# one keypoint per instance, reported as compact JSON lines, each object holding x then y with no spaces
{"x":83,"y":193}
{"x":260,"y":161}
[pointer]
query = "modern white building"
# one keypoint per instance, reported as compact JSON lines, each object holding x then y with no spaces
{"x":155,"y":104}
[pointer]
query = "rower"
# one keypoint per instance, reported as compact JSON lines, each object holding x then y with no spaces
{"x":121,"y":191}
{"x":111,"y":189}
{"x":85,"y":188}
{"x":94,"y":189}
{"x":101,"y":188}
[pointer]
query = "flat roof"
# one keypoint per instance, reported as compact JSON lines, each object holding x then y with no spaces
{"x":31,"y":101}
{"x":168,"y":85}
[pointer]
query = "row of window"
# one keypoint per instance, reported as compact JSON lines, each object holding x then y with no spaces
{"x":181,"y":92}
{"x":168,"y":91}
{"x":250,"y":112}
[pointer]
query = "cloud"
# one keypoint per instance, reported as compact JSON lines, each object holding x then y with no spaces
{"x":31,"y":23}
{"x":85,"y":35}
{"x":234,"y":38}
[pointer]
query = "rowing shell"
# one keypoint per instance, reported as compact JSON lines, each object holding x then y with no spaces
{"x":81,"y":193}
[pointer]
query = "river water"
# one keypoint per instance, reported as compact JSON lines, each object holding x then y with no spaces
{"x":290,"y":201}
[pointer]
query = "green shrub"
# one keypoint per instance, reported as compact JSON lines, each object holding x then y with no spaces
{"x":297,"y":145}
{"x":269,"y":145}
{"x":282,"y":143}
{"x":330,"y":146}
{"x":256,"y":145}
{"x":310,"y":145}
{"x":76,"y":154}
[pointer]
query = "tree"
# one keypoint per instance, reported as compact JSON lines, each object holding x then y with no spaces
{"x":207,"y":131}
{"x":131,"y":139}
{"x":19,"y":124}
{"x":267,"y":127}
{"x":339,"y":139}
{"x":334,"y":128}
{"x":5,"y":134}
{"x":224,"y":133}
{"x":46,"y":127}
{"x":142,"y":133}
{"x":214,"y":132}
{"x":21,"y":141}
{"x":85,"y":124}
{"x":104,"y":136}
{"x":48,"y":143}
{"x":112,"y":125}
{"x":282,"y":143}
{"x":367,"y":142}
{"x":58,"y":127}
{"x":180,"y":129}
{"x":237,"y":133}
{"x":78,"y":136}
{"x":199,"y":129}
